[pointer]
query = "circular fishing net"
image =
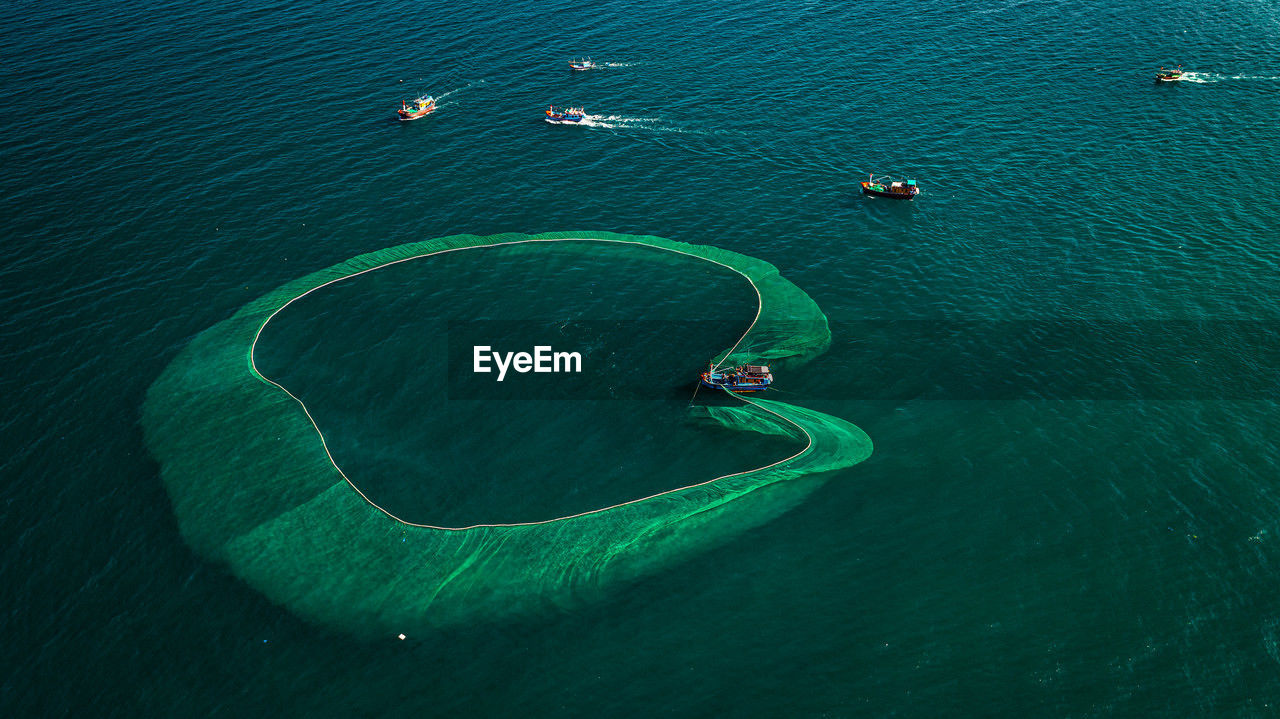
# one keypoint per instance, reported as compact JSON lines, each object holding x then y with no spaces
{"x":254,"y":484}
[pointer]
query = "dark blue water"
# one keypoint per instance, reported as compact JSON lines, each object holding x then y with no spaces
{"x":1105,"y":555}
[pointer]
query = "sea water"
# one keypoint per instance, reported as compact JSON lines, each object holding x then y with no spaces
{"x":1012,"y":548}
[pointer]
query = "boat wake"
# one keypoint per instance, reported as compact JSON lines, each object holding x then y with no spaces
{"x":612,"y":122}
{"x":619,"y":120}
{"x":1253,"y":77}
{"x":589,"y":64}
{"x":646,"y":124}
{"x":1204,"y":78}
{"x":457,"y":90}
{"x":623,"y":123}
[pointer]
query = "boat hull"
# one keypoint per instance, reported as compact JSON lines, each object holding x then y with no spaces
{"x":407,"y":115}
{"x":736,"y":382}
{"x":735,"y":387}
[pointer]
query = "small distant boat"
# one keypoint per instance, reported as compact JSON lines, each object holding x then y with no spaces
{"x":420,"y":107}
{"x":1169,"y":75}
{"x":565,"y":115}
{"x":584,"y":63}
{"x":897,"y":189}
{"x":744,"y":378}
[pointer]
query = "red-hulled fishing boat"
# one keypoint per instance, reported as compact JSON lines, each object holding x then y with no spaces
{"x":420,"y":107}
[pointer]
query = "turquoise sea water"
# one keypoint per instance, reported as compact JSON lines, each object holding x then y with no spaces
{"x":1106,"y":555}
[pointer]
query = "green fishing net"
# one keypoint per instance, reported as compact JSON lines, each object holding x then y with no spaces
{"x":253,"y":485}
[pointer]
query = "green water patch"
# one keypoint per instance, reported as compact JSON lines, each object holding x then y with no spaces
{"x":254,"y":485}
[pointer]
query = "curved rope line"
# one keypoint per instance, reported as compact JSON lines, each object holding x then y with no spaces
{"x":253,"y":366}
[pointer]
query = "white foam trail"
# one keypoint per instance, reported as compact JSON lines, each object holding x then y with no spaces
{"x":599,"y":64}
{"x":585,"y":121}
{"x":620,"y":118}
{"x":1203,"y":78}
{"x":622,"y":122}
{"x":611,"y":121}
{"x":457,"y":90}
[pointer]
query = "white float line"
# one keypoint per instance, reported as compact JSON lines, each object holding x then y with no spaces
{"x":759,"y":306}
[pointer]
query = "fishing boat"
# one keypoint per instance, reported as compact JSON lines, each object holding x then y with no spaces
{"x":564,"y":116}
{"x":897,"y":189}
{"x":743,"y":378}
{"x":584,"y":63}
{"x":1169,"y":75}
{"x":420,"y":107}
